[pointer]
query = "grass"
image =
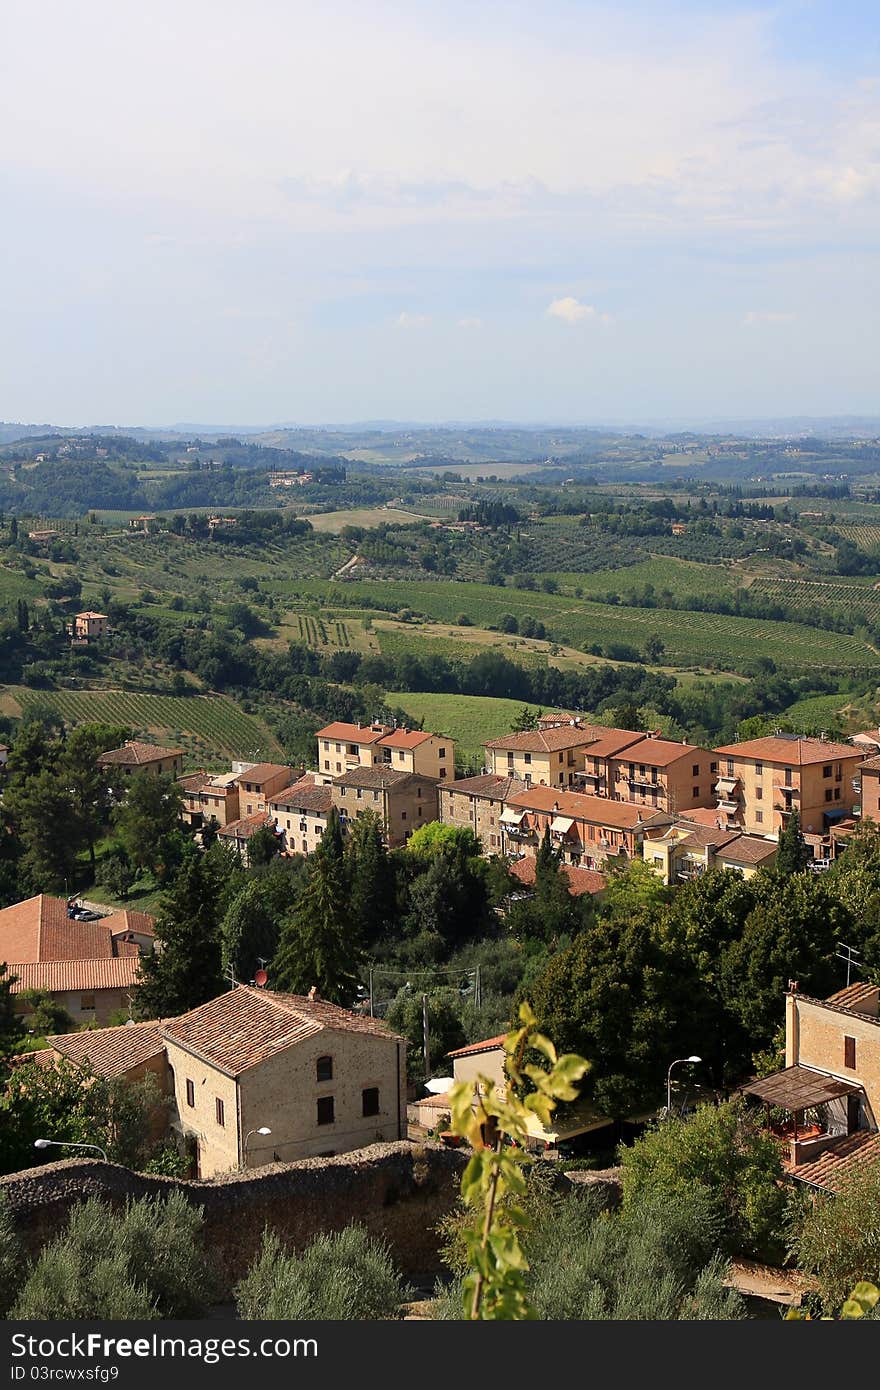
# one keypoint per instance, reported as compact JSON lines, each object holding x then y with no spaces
{"x":468,"y":719}
{"x":360,"y":516}
{"x":689,"y":638}
{"x":204,"y":725}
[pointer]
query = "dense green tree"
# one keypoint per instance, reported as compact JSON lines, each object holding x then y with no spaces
{"x":11,"y":1025}
{"x":445,"y":1027}
{"x":46,"y":1014}
{"x":147,"y":817}
{"x":38,"y":806}
{"x":371,"y":876}
{"x":332,"y":846}
{"x":85,"y":780}
{"x":792,"y":854}
{"x":838,"y":1237}
{"x":252,"y":923}
{"x":186,"y":969}
{"x":616,"y":996}
{"x":721,"y":1155}
{"x":317,"y":945}
{"x":263,"y":846}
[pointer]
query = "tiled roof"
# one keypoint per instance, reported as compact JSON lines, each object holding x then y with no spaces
{"x":487,"y":1045}
{"x":57,"y":976}
{"x":703,"y":835}
{"x":842,"y":1160}
{"x":372,"y":777}
{"x":870,"y":764}
{"x":405,"y":738}
{"x":700,"y":815}
{"x":246,"y":827}
{"x":748,"y":849}
{"x":659,"y":752}
{"x":39,"y":929}
{"x":245,"y":1026}
{"x":138,"y":754}
{"x":545,"y":740}
{"x":613,"y":741}
{"x":859,"y":998}
{"x":129,"y":920}
{"x":89,"y":614}
{"x":112,"y":1051}
{"x":195,"y":782}
{"x":354,"y":733}
{"x":580,"y":881}
{"x":303,"y":796}
{"x":596,"y":810}
{"x":487,"y":784}
{"x":262,"y":772}
{"x":791,"y":752}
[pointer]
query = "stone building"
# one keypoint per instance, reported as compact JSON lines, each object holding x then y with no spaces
{"x":477,"y":803}
{"x":404,"y":800}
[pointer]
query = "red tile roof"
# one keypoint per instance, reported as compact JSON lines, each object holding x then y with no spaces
{"x":246,"y":827}
{"x":595,"y":810}
{"x":795,"y":751}
{"x":39,"y":929}
{"x":135,"y":754}
{"x":303,"y":796}
{"x":859,"y":998}
{"x":405,"y":738}
{"x":490,"y":785}
{"x":843,"y":1159}
{"x":701,"y":815}
{"x":58,"y":976}
{"x":129,"y":920}
{"x":613,"y":742}
{"x":487,"y":1045}
{"x":375,"y":777}
{"x":261,"y":773}
{"x":660,"y":752}
{"x":580,"y":881}
{"x":245,"y":1026}
{"x":545,"y":740}
{"x":112,"y":1051}
{"x":748,"y":849}
{"x":354,"y":733}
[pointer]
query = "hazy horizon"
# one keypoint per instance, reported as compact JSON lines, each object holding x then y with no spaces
{"x":572,"y":215}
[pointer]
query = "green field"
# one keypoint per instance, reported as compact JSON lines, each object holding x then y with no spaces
{"x":15,"y":585}
{"x":690,"y":638}
{"x":862,"y":601}
{"x":684,"y":578}
{"x":201,"y":724}
{"x":468,"y":719}
{"x":360,"y":516}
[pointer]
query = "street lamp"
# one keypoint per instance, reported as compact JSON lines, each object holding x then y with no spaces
{"x":68,"y":1144}
{"x":261,"y":1130}
{"x":679,"y":1061}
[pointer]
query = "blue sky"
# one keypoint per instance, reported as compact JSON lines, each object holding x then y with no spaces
{"x":392,"y":208}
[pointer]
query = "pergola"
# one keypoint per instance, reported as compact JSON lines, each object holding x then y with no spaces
{"x":797,"y":1089}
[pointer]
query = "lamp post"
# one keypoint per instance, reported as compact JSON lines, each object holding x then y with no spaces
{"x":68,"y":1144}
{"x":679,"y":1061}
{"x":261,"y":1130}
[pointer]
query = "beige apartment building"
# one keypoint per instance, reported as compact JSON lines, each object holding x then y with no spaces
{"x":477,"y":803}
{"x":322,"y":1079}
{"x":867,"y":788}
{"x":762,"y":780}
{"x":209,"y":796}
{"x":664,"y":775}
{"x":403,"y":800}
{"x":413,"y":750}
{"x":88,"y":626}
{"x":830,"y":1085}
{"x":543,"y":757}
{"x":301,"y":813}
{"x":342,"y":747}
{"x":257,"y":782}
{"x":685,"y":850}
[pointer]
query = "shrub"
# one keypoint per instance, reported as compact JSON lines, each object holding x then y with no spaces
{"x":721,"y":1152}
{"x":11,"y":1257}
{"x":344,"y":1277}
{"x":838,"y":1238}
{"x":144,"y":1262}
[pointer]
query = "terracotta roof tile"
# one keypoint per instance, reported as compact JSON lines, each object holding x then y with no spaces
{"x":57,"y":976}
{"x":112,"y":1051}
{"x":545,"y":740}
{"x":859,"y":998}
{"x":354,"y":733}
{"x":263,"y":772}
{"x":488,"y":784}
{"x":135,"y":754}
{"x":39,"y":929}
{"x":243,"y":1027}
{"x":246,"y":827}
{"x":795,"y":751}
{"x":595,"y":810}
{"x":660,"y":752}
{"x":377,"y":777}
{"x":580,"y":881}
{"x":130,"y":920}
{"x":487,"y":1045}
{"x":405,"y":738}
{"x":303,"y":796}
{"x":613,"y":742}
{"x":748,"y":849}
{"x":843,"y":1159}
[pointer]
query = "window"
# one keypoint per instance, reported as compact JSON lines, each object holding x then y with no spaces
{"x":218,"y":1111}
{"x":324,"y":1069}
{"x":759,"y":793}
{"x":826,"y":770}
{"x":713,"y":767}
{"x":327,"y":764}
{"x":696,"y":793}
{"x":730,"y":767}
{"x":759,"y":768}
{"x":827,"y":793}
{"x":403,"y":815}
{"x":359,"y":794}
{"x":837,"y":793}
{"x":190,"y":1092}
{"x":443,"y":772}
{"x":759,"y":817}
{"x":527,"y":758}
{"x":370,"y":1100}
{"x":849,"y":1052}
{"x":325,"y":1110}
{"x":87,"y":1003}
{"x":441,"y":752}
{"x":695,"y":770}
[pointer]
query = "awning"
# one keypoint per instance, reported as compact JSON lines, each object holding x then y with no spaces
{"x":726,"y":783}
{"x":729,"y":806}
{"x":509,"y":816}
{"x":561,"y":824}
{"x":837,"y":813}
{"x":799,"y":1088}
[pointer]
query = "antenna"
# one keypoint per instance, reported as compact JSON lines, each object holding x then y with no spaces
{"x":261,"y":979}
{"x":851,"y":956}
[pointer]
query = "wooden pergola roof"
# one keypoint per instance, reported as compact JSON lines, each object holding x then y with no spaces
{"x":798,"y":1088}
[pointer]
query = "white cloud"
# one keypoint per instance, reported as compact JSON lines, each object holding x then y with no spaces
{"x":755,"y":316}
{"x":572,"y":310}
{"x":407,"y":320}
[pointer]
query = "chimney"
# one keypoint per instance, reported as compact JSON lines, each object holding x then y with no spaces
{"x":313,"y":993}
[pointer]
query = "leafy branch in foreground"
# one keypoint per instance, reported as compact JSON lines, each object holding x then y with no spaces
{"x":496,"y":1124}
{"x":860,"y":1304}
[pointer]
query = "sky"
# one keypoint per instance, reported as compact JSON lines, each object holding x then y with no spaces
{"x":404,"y":209}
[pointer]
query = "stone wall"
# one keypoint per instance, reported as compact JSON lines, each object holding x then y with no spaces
{"x":398,"y":1191}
